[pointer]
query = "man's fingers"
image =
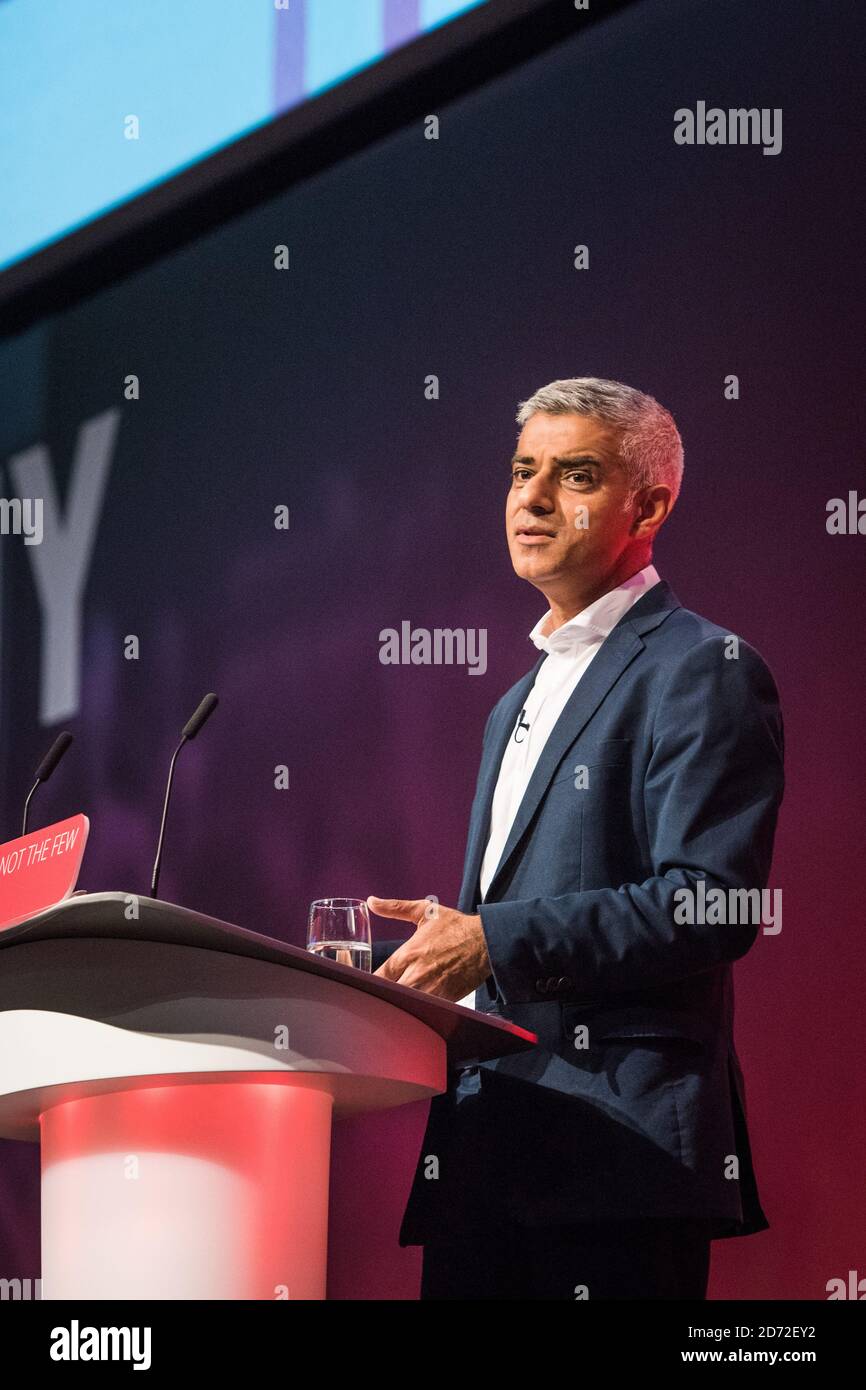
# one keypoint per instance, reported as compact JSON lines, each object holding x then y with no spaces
{"x":399,"y":971}
{"x":407,"y":909}
{"x":392,"y":968}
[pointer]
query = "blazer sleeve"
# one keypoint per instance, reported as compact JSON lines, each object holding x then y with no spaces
{"x":714,"y":783}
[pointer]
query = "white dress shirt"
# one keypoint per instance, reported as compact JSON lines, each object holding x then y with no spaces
{"x":570,"y":649}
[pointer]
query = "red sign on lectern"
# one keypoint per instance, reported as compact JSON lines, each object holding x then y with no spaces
{"x":40,"y":869}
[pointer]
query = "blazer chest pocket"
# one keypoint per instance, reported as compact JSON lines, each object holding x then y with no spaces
{"x":607,"y":752}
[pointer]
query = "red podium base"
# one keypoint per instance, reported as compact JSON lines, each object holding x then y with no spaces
{"x":214,"y":1190}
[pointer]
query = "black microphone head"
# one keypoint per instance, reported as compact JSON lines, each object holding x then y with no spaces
{"x":202,"y":714}
{"x":53,"y":756}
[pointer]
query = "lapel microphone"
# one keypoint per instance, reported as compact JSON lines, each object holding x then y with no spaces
{"x":521,"y":725}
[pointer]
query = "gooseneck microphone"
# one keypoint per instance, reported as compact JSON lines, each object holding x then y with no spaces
{"x":45,"y":769}
{"x":189,"y":731}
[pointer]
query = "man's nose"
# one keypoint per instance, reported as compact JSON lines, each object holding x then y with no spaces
{"x":538,"y":493}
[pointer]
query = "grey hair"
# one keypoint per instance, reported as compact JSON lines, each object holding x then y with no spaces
{"x":650,"y":447}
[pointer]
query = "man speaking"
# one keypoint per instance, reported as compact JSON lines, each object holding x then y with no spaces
{"x":621,"y":834}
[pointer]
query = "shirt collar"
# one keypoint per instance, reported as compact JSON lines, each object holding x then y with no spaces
{"x":597,"y":620}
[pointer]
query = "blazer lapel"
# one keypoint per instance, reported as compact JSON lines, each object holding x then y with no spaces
{"x":614,"y":655}
{"x":619,"y":648}
{"x":501,"y":730}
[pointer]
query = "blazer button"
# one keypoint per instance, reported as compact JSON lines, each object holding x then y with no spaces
{"x":563,"y":982}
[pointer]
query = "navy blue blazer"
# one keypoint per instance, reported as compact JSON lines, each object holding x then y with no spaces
{"x":633,"y":1103}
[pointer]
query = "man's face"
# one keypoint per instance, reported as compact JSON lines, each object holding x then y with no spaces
{"x":562,"y":465}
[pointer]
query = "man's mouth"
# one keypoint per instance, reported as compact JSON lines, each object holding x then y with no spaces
{"x":533,"y":535}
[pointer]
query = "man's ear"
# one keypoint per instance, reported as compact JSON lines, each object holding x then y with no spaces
{"x":653,"y":504}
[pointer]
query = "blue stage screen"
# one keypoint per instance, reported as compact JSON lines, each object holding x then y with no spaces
{"x":194,"y":75}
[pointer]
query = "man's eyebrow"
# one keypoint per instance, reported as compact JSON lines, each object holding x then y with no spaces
{"x":579,"y":456}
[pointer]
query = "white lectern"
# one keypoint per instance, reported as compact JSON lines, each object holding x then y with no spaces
{"x":181,"y":1075}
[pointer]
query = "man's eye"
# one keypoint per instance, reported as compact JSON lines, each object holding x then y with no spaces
{"x":579,"y":477}
{"x":520,"y":473}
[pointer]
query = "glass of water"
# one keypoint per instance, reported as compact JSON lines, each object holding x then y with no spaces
{"x":339,"y":929}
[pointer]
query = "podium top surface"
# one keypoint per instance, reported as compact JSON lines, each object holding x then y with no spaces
{"x":469,"y":1036}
